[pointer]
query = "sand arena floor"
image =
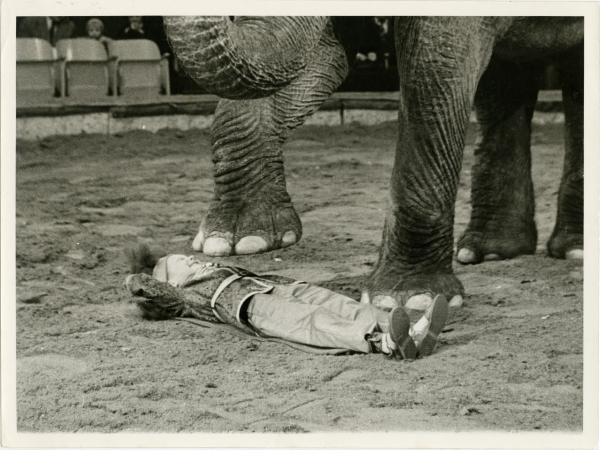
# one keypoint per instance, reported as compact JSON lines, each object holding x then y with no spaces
{"x":510,"y":359}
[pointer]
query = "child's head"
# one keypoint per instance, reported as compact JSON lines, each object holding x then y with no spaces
{"x":94,"y":28}
{"x":135,"y":22}
{"x":182,"y":270}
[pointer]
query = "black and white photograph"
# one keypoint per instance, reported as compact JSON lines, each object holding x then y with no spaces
{"x":282,"y":227}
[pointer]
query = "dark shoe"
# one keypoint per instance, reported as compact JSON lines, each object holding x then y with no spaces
{"x":438,"y":313}
{"x":398,"y":330}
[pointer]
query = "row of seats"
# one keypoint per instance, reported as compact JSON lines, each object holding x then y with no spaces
{"x":82,"y":68}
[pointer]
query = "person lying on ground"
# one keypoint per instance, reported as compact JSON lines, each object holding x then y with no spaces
{"x":278,"y":307}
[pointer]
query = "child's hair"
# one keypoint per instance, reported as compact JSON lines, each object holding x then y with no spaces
{"x":95,"y":22}
{"x":142,"y":258}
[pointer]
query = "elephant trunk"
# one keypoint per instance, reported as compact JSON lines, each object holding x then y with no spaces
{"x":250,"y":58}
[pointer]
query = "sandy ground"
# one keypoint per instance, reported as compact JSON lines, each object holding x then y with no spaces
{"x":510,"y":359}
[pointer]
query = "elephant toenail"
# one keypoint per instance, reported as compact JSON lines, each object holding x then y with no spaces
{"x":198,"y":241}
{"x":216,"y":246}
{"x":289,"y":238}
{"x":456,"y":301}
{"x":492,"y":257}
{"x":250,"y":244}
{"x":466,"y":256}
{"x":420,"y":302}
{"x":575,"y":253}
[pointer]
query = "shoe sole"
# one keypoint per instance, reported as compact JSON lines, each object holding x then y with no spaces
{"x":399,"y":326}
{"x":439,"y":314}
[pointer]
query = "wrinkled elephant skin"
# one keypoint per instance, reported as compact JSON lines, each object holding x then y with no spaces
{"x":447,"y":66}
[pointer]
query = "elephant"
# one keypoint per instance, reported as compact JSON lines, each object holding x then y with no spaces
{"x":273,"y":72}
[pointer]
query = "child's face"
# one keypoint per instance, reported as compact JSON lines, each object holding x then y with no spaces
{"x":181,"y":270}
{"x":94,"y":31}
{"x":135,"y":22}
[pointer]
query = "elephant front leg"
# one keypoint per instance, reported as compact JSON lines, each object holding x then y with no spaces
{"x":502,"y":218}
{"x":440,"y":61}
{"x":567,"y":238}
{"x":251,"y":211}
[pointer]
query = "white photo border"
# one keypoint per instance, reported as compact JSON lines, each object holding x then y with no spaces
{"x":10,"y":9}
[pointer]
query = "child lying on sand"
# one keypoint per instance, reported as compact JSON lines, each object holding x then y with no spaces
{"x":279,"y":307}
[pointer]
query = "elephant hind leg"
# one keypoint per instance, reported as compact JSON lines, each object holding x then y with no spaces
{"x":567,"y":238}
{"x":502,"y":217}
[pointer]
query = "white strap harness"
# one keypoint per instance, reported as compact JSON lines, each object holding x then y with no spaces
{"x":226,"y":282}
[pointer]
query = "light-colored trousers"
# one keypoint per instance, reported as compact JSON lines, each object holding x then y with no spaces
{"x":315,"y":316}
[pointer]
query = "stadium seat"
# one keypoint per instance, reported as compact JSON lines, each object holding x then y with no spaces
{"x":36,"y":69}
{"x":140,"y":69}
{"x":85,"y":68}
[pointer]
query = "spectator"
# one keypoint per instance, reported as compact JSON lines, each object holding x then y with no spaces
{"x":135,"y":30}
{"x":52,"y":29}
{"x":369,"y":47}
{"x":386,"y":40}
{"x":95,"y":30}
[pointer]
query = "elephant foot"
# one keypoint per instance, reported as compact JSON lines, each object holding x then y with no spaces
{"x":565,"y":245}
{"x":490,"y":245}
{"x":256,"y":224}
{"x":412,"y":291}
